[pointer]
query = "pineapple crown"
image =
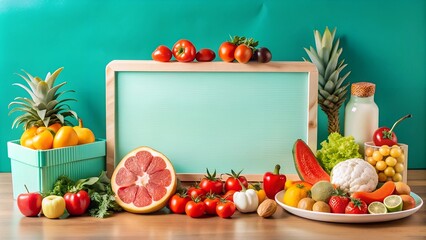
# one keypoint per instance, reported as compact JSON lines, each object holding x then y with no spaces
{"x":326,"y":58}
{"x":43,"y":108}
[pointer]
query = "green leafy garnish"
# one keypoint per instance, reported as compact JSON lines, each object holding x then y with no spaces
{"x":102,"y":200}
{"x":337,"y":149}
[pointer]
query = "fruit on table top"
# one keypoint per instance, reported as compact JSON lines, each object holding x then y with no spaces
{"x":354,"y":175}
{"x":29,"y":203}
{"x":143,"y":181}
{"x":44,"y":108}
{"x":386,"y":136}
{"x":331,"y":90}
{"x":267,"y":208}
{"x":307,"y":166}
{"x":85,"y":135}
{"x":322,"y":191}
{"x":53,"y":206}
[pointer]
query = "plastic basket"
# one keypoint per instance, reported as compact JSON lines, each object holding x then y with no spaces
{"x":39,"y":169}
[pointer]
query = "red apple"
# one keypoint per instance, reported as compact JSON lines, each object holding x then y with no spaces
{"x":29,"y":203}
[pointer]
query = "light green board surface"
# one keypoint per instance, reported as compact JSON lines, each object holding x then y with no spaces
{"x":383,"y":42}
{"x":213,"y":119}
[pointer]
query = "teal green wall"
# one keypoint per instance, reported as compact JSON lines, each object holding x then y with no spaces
{"x":383,"y":42}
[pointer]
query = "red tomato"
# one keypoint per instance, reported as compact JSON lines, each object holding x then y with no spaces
{"x":211,"y":184}
{"x":205,"y":55}
{"x":226,"y":51}
{"x":356,"y":206}
{"x":178,"y":202}
{"x":243,"y":53}
{"x":233,"y":182}
{"x":338,"y":203}
{"x":195,"y":208}
{"x":77,"y":203}
{"x":184,"y":51}
{"x":229,"y":195}
{"x":196,"y":192}
{"x":211,"y":202}
{"x":225,"y":209}
{"x":162,"y":54}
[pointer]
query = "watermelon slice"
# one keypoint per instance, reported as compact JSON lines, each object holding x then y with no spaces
{"x":307,"y":166}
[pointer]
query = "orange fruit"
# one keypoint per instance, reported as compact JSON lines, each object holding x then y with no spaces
{"x":143,"y":181}
{"x":408,"y":202}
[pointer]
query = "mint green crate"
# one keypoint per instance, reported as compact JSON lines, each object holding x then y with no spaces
{"x":39,"y":169}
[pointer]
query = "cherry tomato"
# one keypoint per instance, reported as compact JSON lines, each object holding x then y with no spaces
{"x":211,"y":184}
{"x":356,"y":206}
{"x":226,"y":51}
{"x":225,"y":209}
{"x":229,"y":195}
{"x":234,"y":180}
{"x":196,"y":192}
{"x":77,"y":203}
{"x":205,"y":55}
{"x":195,"y":208}
{"x":210,"y":203}
{"x":178,"y":202}
{"x":243,"y":53}
{"x":184,"y":51}
{"x":162,"y":54}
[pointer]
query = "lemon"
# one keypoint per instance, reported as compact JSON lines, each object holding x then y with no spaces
{"x":377,"y":208}
{"x":393,"y":203}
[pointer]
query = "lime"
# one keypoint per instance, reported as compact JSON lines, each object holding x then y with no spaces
{"x":377,"y":208}
{"x":393,"y":203}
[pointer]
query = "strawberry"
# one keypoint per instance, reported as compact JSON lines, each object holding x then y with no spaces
{"x":356,"y":206}
{"x":338,"y":201}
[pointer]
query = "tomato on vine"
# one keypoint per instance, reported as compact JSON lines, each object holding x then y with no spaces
{"x":210,"y":183}
{"x":210,"y":203}
{"x":234,"y":180}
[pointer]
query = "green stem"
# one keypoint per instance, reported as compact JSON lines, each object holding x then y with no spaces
{"x":277,"y":169}
{"x":399,"y":120}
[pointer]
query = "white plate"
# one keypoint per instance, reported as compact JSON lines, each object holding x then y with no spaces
{"x":349,"y":218}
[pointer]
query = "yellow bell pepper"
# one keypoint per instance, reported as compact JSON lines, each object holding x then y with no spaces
{"x":65,"y":137}
{"x":85,"y":135}
{"x":261,"y":195}
{"x":39,"y":138}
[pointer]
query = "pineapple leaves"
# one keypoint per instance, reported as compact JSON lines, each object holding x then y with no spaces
{"x":50,"y":79}
{"x":315,"y":60}
{"x":44,"y":106}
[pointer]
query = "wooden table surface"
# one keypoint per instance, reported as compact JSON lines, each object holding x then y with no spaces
{"x":163,"y":225}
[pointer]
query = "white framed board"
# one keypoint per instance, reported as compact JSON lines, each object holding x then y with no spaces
{"x":214,"y":115}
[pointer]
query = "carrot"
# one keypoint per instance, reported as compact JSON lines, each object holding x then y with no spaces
{"x":378,"y":195}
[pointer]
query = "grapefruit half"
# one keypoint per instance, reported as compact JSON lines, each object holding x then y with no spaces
{"x":143,"y":181}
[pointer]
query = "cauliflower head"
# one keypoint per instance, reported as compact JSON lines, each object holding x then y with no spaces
{"x":354,"y":175}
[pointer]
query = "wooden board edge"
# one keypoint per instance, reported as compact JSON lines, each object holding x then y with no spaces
{"x":110,"y":118}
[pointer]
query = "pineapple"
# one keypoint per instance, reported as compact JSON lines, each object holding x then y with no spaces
{"x":43,"y":108}
{"x":331,"y":91}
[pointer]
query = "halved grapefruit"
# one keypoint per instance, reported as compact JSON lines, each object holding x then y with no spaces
{"x":143,"y":181}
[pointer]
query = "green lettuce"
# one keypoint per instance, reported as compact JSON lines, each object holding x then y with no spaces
{"x":337,"y":149}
